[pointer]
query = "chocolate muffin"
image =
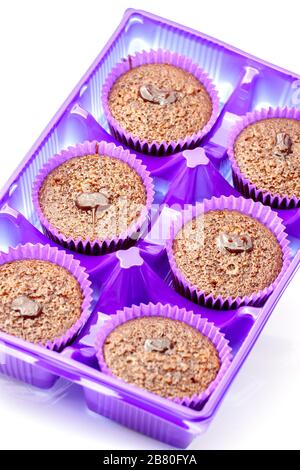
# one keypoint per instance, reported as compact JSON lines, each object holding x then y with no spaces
{"x":93,"y":197}
{"x":227,"y":253}
{"x":164,"y":356}
{"x":39,"y":300}
{"x":160,"y":102}
{"x":267,"y":153}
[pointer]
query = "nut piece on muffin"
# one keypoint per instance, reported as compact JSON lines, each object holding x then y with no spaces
{"x":160,"y":102}
{"x":167,"y":357}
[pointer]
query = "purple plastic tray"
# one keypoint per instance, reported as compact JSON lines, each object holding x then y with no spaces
{"x":142,"y":273}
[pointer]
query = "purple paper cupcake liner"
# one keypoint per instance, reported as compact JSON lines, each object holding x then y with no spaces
{"x":175,"y":313}
{"x":264,"y":215}
{"x":155,"y":147}
{"x":241,"y":183}
{"x":87,"y":246}
{"x":61,"y":258}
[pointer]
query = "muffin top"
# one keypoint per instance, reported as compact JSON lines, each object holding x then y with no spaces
{"x":163,"y":356}
{"x":227,"y":253}
{"x":268,"y":155}
{"x":92,"y":197}
{"x":39,"y":300}
{"x":160,"y":102}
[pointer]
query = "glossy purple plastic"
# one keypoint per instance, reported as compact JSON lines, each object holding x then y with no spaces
{"x":142,"y":273}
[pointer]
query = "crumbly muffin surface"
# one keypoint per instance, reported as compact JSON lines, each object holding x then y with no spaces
{"x":163,"y":356}
{"x":260,"y":160}
{"x":116,"y":182}
{"x":207,"y":264}
{"x":48,"y":285}
{"x":150,"y":121}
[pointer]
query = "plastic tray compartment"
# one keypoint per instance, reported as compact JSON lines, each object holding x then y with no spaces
{"x":142,"y":274}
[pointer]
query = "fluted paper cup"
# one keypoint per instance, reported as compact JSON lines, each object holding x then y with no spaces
{"x":87,"y":246}
{"x":61,"y":258}
{"x":155,"y":147}
{"x":258,"y":211}
{"x":205,"y":327}
{"x":243,"y":184}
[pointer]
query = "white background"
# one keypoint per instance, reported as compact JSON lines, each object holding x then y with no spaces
{"x":45,"y":47}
